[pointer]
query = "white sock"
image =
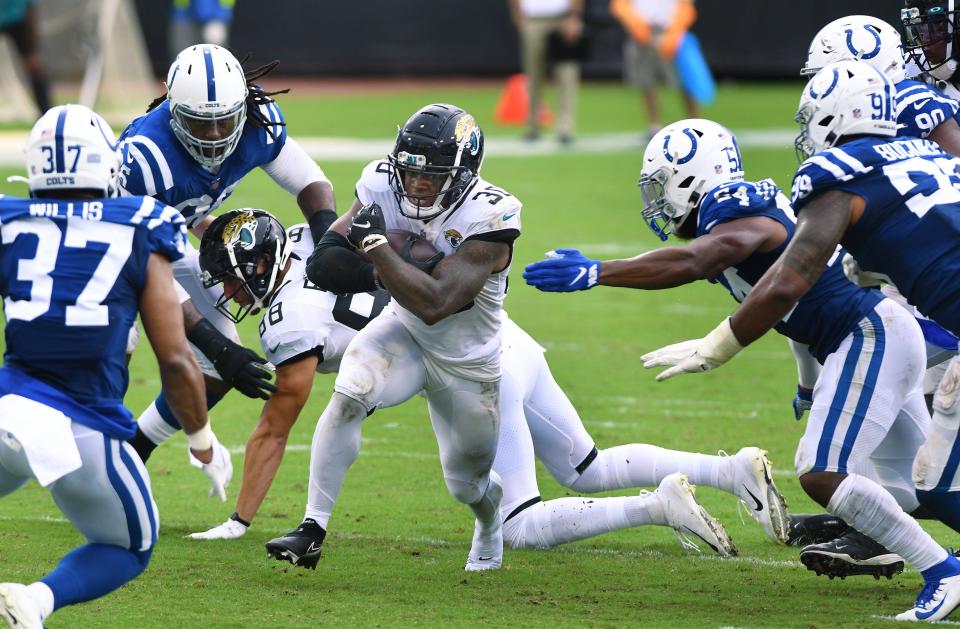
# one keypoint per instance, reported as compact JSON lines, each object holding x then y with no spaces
{"x":487,"y":537}
{"x":153,"y":426}
{"x":336,"y":444}
{"x":644,"y":465}
{"x":870,"y":509}
{"x":43,"y":595}
{"x":563,"y":520}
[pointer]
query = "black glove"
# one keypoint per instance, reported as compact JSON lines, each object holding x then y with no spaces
{"x":337,"y":267}
{"x":368,"y":229}
{"x":239,"y":366}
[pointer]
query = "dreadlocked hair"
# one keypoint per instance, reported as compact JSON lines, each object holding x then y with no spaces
{"x":256,"y":96}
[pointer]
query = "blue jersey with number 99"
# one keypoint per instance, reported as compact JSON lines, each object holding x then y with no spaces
{"x":71,"y":275}
{"x":910,"y":228}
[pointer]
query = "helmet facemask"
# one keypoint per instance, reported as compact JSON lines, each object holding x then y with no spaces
{"x":450,"y":181}
{"x":193,"y":127}
{"x":803,"y":145}
{"x":931,"y":29}
{"x":662,"y":217}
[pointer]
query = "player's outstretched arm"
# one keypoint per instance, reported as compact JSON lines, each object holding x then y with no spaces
{"x":727,"y":245}
{"x":819,"y":229}
{"x":266,"y":445}
{"x":181,"y":377}
{"x":269,"y":438}
{"x":296,"y":172}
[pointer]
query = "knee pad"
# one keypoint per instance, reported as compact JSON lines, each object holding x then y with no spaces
{"x":362,"y":376}
{"x":520,"y":531}
{"x":594,"y":472}
{"x":465,"y":491}
{"x":343,"y":409}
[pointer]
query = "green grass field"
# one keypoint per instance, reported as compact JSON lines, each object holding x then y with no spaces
{"x":397,"y":541}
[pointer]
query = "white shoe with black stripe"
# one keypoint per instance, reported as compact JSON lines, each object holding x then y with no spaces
{"x":689,"y":519}
{"x":18,"y":608}
{"x":753,"y":484}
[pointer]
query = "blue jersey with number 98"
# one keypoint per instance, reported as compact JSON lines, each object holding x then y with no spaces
{"x":71,"y":275}
{"x":910,"y":229}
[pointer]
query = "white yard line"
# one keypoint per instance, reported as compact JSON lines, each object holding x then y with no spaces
{"x":325,"y":149}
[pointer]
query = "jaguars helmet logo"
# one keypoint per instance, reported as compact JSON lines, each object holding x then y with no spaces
{"x":241,"y":230}
{"x":467,"y":134}
{"x":453,"y":237}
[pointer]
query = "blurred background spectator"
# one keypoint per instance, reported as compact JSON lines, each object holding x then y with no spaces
{"x":551,"y":30}
{"x":18,"y":20}
{"x":654,"y":29}
{"x":199,"y":22}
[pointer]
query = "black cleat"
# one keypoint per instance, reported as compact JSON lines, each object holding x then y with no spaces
{"x":849,"y":555}
{"x":818,"y":528}
{"x":301,"y":546}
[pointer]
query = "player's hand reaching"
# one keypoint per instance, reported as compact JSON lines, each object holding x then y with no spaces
{"x":233,"y":528}
{"x":368,"y":229}
{"x":219,"y":470}
{"x":695,"y":356}
{"x":802,"y":402}
{"x":241,"y":368}
{"x":564,"y":271}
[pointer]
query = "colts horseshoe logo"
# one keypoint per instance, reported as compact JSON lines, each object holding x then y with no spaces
{"x":826,"y":92}
{"x":861,"y":54}
{"x":686,"y":158}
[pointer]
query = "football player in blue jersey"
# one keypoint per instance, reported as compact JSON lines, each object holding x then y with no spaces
{"x":893,"y":203}
{"x":693,"y":186}
{"x":191,"y":150}
{"x":75,"y":268}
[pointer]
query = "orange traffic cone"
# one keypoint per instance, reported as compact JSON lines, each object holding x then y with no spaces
{"x":514,"y":104}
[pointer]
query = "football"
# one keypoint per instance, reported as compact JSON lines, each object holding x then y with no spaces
{"x":410,"y":246}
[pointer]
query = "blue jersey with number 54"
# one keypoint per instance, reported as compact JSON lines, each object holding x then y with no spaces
{"x":910,"y":228}
{"x":829,"y":311}
{"x":71,"y":275}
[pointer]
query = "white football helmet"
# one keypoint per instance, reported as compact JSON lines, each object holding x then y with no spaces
{"x":857,"y":37}
{"x":683,"y":162}
{"x":207,"y":92}
{"x":72,"y":148}
{"x":844,"y":99}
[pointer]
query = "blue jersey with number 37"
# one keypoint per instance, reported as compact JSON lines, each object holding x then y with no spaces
{"x":910,"y":228}
{"x":71,"y":275}
{"x":829,"y":311}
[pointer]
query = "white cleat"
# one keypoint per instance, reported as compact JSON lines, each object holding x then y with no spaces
{"x":753,"y":484}
{"x":688,"y":518}
{"x":18,"y":608}
{"x":936,"y":601}
{"x":486,"y":551}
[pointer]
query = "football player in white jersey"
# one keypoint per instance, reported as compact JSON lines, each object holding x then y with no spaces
{"x":441,"y":332}
{"x":305,"y":329}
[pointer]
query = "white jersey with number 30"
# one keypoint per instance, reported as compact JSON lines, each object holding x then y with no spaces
{"x":466,"y":343}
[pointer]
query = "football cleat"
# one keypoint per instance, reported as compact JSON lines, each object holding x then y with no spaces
{"x":688,"y":518}
{"x":851,"y":554}
{"x":753,"y":484}
{"x":936,"y":601}
{"x":301,"y":546}
{"x":819,"y":528}
{"x":18,"y":608}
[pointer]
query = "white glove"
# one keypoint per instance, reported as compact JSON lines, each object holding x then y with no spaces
{"x":695,"y":356}
{"x":231,"y":529}
{"x":860,"y":277}
{"x":219,"y":470}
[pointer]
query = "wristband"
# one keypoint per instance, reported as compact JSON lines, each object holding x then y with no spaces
{"x":236,"y":518}
{"x":721,"y":344}
{"x":202,"y":439}
{"x":371,"y":242}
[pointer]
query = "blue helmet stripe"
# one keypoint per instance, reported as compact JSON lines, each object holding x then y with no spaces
{"x":211,"y":82}
{"x":58,"y":141}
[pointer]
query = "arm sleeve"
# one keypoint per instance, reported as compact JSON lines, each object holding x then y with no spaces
{"x":293,"y":169}
{"x":808,"y":369}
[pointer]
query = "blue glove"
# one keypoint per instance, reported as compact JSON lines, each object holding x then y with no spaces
{"x":803,"y":402}
{"x":564,"y":271}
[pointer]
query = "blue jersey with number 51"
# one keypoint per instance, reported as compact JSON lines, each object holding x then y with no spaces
{"x":910,"y":229}
{"x":71,"y":275}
